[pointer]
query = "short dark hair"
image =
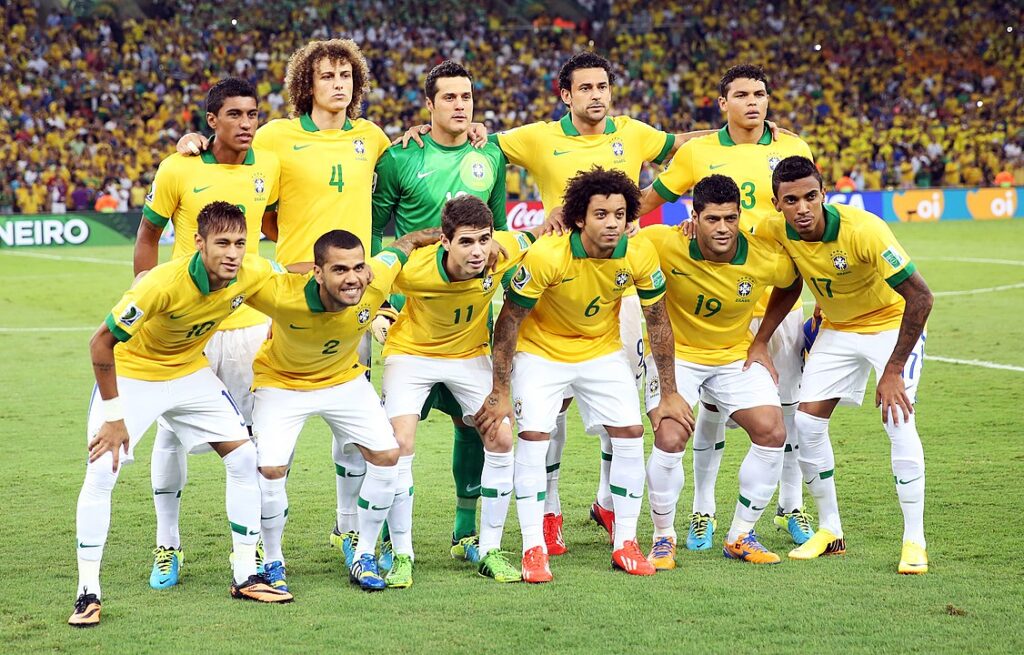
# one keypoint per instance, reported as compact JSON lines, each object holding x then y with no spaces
{"x":446,"y":68}
{"x":230,"y":87}
{"x":745,"y":72}
{"x":792,"y":169}
{"x":585,"y":59}
{"x":465,"y":211}
{"x":219,"y":217}
{"x":342,"y":239}
{"x":598,"y":182}
{"x":715,"y":190}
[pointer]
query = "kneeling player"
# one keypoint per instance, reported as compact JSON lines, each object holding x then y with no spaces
{"x":441,"y":336}
{"x":148,"y":361}
{"x":875,"y":305}
{"x":560,"y":322}
{"x":310,"y":367}
{"x":715,"y":281}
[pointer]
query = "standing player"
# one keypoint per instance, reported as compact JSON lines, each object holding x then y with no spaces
{"x":150,"y":350}
{"x":560,"y":322}
{"x":229,"y":170}
{"x":309,"y":367}
{"x":714,"y":282}
{"x":745,"y":151}
{"x":442,"y":337}
{"x":413,"y":184}
{"x":875,"y":306}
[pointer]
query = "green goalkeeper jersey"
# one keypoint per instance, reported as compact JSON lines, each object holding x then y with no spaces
{"x":414,"y":183}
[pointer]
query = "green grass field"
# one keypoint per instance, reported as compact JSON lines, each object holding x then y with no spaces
{"x":970,"y":419}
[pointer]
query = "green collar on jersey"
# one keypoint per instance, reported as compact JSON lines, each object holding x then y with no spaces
{"x":197,"y":271}
{"x":738,"y":259}
{"x":570,"y":130}
{"x":306,"y":121}
{"x":208,"y":158}
{"x":579,"y":252}
{"x":441,"y":252}
{"x":725,"y":138}
{"x":312,"y":291}
{"x":831,"y":226}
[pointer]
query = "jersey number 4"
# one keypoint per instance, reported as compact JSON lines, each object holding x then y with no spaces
{"x":336,"y":178}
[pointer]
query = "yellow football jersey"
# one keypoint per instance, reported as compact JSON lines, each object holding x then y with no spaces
{"x":852,"y":271}
{"x":553,"y":152}
{"x":749,"y":165}
{"x":575,"y":299}
{"x":166,"y":319}
{"x":326,"y":181}
{"x":184,"y":185}
{"x":449,"y":319}
{"x":309,"y":347}
{"x":711,"y":304}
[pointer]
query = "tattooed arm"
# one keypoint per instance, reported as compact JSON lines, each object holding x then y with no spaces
{"x":113,"y":435}
{"x":417,"y":239}
{"x":497,"y":406}
{"x":891,"y":393}
{"x":663,"y":348}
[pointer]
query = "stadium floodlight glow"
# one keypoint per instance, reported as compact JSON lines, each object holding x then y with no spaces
{"x":817,"y":47}
{"x":980,"y":103}
{"x":1009,"y":28}
{"x":234,"y":21}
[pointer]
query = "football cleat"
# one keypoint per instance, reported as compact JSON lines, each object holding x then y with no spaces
{"x":663,"y":554}
{"x":87,"y":611}
{"x":749,"y":549}
{"x":275,"y":574}
{"x":495,"y":565}
{"x":387,"y":556}
{"x":702,"y":530}
{"x":467,"y":548}
{"x":604,"y":518}
{"x":167,"y":564}
{"x":346,"y":542}
{"x":364,"y":573}
{"x":821,"y":543}
{"x":797,"y":523}
{"x":256,"y":588}
{"x":913,"y":559}
{"x":630,"y":559}
{"x":400,"y":576}
{"x":535,"y":566}
{"x":553,"y":535}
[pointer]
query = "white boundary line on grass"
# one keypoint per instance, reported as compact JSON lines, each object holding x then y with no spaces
{"x":976,"y":362}
{"x":68,"y":258}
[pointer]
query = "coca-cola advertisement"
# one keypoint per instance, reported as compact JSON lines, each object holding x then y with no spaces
{"x":524,"y":214}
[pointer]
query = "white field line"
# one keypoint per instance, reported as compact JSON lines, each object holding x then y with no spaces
{"x":975,"y":362}
{"x":67,"y":258}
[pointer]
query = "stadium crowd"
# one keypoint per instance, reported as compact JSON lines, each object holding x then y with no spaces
{"x":888,"y":95}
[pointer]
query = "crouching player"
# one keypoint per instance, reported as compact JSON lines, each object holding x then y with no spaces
{"x":310,"y":367}
{"x":148,"y":361}
{"x":714,"y":283}
{"x":561,"y":322}
{"x":875,"y":306}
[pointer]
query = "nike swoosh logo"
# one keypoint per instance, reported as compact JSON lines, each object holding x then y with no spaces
{"x":526,"y":496}
{"x":568,"y":279}
{"x":505,"y":494}
{"x":252,"y":532}
{"x":173,"y":317}
{"x":297,"y":327}
{"x":301,"y":147}
{"x":354,"y":475}
{"x":81,"y":545}
{"x":641,"y":496}
{"x":898,"y":481}
{"x":756,"y":508}
{"x":422,"y":175}
{"x":200,"y":189}
{"x":559,"y":153}
{"x":160,"y":493}
{"x":675,"y":272}
{"x":717,"y":166}
{"x":472,"y":488}
{"x":377,"y":509}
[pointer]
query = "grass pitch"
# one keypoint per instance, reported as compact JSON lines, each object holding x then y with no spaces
{"x":969,"y":417}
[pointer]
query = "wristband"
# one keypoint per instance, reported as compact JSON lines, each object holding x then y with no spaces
{"x":112,"y":410}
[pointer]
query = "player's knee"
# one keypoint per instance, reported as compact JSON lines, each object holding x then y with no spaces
{"x":771,"y":435}
{"x":240,"y":459}
{"x":670,"y":436}
{"x":99,"y":476}
{"x":273,"y":472}
{"x":628,"y":432}
{"x":383,"y":457}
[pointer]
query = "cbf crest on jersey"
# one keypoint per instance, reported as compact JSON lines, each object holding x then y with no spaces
{"x":476,"y":173}
{"x":363,"y":316}
{"x":621,"y":278}
{"x":773,"y":161}
{"x":840,"y":261}
{"x":360,"y":148}
{"x":619,"y":151}
{"x":259,"y":185}
{"x":744,"y":287}
{"x":488,"y":282}
{"x":237,"y":301}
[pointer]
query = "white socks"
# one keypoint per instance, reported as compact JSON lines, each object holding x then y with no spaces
{"x":604,"y":492}
{"x":495,"y":494}
{"x":273,"y":516}
{"x":759,"y":475}
{"x":908,"y":472}
{"x":93,"y":522}
{"x":553,"y":461}
{"x":375,"y":498}
{"x":349,"y":469}
{"x":791,"y":496}
{"x":708,"y":444}
{"x":400,"y":516}
{"x":818,"y":465}
{"x":168,"y":473}
{"x":665,"y":479}
{"x":626,"y":480}
{"x":242,"y":498}
{"x":529,"y":489}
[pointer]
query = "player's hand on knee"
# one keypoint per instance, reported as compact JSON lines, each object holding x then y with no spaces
{"x":758,"y":353}
{"x":379,"y":328}
{"x":412,"y":134}
{"x":674,"y":407}
{"x":477,"y":135}
{"x":555,"y":223}
{"x":192,"y":144}
{"x":891,"y":396}
{"x":112,"y":438}
{"x":488,"y":418}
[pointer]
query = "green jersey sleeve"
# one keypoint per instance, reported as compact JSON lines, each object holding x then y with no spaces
{"x":387,"y":192}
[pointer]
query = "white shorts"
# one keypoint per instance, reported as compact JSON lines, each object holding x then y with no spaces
{"x":727,"y":386}
{"x":839,"y":364}
{"x":603,"y":388}
{"x":231,"y":353}
{"x":631,"y":331}
{"x":196,"y":407}
{"x":352,"y":410}
{"x":785,"y":347}
{"x":409,"y":378}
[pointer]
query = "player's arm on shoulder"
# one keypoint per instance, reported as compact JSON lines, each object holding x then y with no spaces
{"x":671,"y":183}
{"x":191,"y":144}
{"x":418,"y":239}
